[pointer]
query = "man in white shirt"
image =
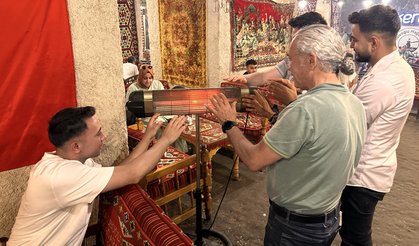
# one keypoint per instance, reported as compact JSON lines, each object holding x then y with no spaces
{"x":130,"y":69}
{"x":387,"y":92}
{"x":57,"y":204}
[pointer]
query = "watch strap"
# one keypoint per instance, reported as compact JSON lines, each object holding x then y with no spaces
{"x":227,"y":125}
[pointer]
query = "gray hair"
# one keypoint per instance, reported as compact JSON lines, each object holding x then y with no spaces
{"x":327,"y":45}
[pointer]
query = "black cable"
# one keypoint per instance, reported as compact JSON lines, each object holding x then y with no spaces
{"x":229,"y":177}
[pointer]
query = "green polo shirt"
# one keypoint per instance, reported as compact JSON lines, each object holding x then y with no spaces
{"x":320,"y":137}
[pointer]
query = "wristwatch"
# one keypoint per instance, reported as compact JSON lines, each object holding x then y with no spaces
{"x":227,"y":125}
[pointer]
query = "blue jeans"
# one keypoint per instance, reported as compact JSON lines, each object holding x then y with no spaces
{"x":283,"y":232}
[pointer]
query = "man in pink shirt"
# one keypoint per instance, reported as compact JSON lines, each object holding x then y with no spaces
{"x":386,"y":91}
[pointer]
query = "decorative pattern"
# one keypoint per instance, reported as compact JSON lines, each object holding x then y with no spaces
{"x":133,"y":218}
{"x":183,"y":42}
{"x":310,"y":7}
{"x":259,"y":31}
{"x":253,"y":126}
{"x":336,"y":16}
{"x":128,"y":29}
{"x":210,"y":132}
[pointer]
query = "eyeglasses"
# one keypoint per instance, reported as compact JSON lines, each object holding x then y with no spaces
{"x":145,"y":67}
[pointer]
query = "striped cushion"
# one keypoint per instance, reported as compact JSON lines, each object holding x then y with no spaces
{"x":140,"y":219}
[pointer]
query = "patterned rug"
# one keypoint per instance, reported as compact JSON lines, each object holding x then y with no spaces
{"x":259,"y":31}
{"x":336,"y":15}
{"x":310,"y":7}
{"x":128,"y":29}
{"x":183,"y":45}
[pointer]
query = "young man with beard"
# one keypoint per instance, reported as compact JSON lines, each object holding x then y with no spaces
{"x":387,"y":92}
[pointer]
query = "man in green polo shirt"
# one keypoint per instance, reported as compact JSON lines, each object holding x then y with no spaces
{"x":314,"y":147}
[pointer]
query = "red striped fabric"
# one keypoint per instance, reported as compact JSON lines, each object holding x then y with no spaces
{"x":151,"y":219}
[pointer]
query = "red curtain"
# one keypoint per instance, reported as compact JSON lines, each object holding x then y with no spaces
{"x":37,"y":77}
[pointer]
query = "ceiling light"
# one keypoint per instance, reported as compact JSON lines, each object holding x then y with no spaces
{"x":302,"y":4}
{"x":367,"y":3}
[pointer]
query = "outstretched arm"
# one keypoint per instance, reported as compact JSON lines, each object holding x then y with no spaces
{"x":140,"y":164}
{"x":255,"y":79}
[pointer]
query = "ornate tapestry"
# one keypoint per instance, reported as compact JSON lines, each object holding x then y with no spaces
{"x":336,"y":15}
{"x":128,"y":29}
{"x":183,"y":44}
{"x":309,"y":7}
{"x":259,"y":31}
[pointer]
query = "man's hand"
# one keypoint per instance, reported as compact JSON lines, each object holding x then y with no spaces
{"x":240,"y":79}
{"x":152,"y":127}
{"x":173,"y":130}
{"x":283,"y":90}
{"x":222,"y":108}
{"x":258,"y":103}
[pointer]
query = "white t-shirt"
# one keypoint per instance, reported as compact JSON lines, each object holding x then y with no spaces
{"x":57,"y":204}
{"x":129,"y":70}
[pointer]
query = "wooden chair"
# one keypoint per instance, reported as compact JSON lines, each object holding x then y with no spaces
{"x":92,"y":230}
{"x":170,"y":182}
{"x":184,"y":184}
{"x":129,"y":81}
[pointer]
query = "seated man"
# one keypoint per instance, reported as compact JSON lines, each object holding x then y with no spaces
{"x":145,"y":81}
{"x":251,"y":67}
{"x":130,"y":68}
{"x":57,"y":204}
{"x":146,"y":59}
{"x":312,"y":150}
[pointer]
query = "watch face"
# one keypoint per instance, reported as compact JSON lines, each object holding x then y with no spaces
{"x":227,"y":125}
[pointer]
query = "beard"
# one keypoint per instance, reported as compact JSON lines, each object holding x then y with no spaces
{"x":362,"y":57}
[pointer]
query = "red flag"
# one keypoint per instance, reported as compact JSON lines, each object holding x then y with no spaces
{"x":37,"y":77}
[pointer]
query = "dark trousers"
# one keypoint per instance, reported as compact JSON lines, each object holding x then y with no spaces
{"x":281,"y":231}
{"x":358,"y":206}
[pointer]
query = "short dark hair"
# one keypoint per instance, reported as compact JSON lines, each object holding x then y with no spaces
{"x":131,"y":59}
{"x":378,"y":18}
{"x":307,"y":19}
{"x":251,"y":62}
{"x":68,"y":123}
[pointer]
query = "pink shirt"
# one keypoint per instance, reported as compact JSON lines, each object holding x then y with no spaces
{"x":387,"y":92}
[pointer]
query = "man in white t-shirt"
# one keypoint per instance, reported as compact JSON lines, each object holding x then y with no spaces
{"x":57,"y":204}
{"x":130,"y":68}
